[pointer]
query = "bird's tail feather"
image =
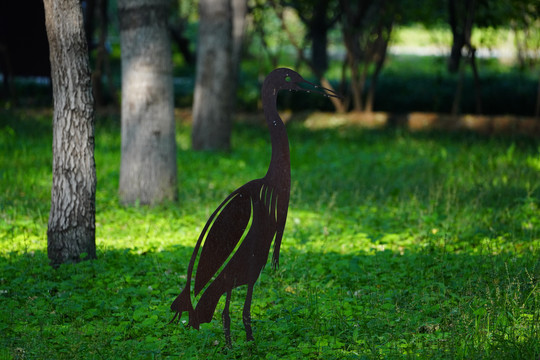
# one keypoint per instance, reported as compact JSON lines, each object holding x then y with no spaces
{"x":183,"y":303}
{"x":207,"y":303}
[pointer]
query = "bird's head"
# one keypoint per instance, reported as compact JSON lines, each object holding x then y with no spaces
{"x":287,"y":79}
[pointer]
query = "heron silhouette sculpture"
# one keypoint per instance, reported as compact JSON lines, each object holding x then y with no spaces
{"x":234,"y":244}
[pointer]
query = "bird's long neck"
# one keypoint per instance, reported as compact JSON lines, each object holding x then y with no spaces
{"x":279,"y":170}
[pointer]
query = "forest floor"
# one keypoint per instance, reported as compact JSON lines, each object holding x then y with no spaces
{"x":490,"y":125}
{"x":398,"y":245}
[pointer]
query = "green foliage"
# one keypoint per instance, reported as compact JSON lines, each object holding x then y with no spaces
{"x":410,"y":83}
{"x":422,"y":83}
{"x":397,"y":245}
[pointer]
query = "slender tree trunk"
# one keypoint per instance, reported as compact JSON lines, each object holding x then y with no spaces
{"x":318,"y":26}
{"x":356,"y":83}
{"x":8,"y":73}
{"x":148,"y":165}
{"x":461,"y":20}
{"x":381,"y":49}
{"x":537,"y":109}
{"x":358,"y":20}
{"x":458,"y":38}
{"x":477,"y":83}
{"x":211,"y":103}
{"x":239,"y":12}
{"x":471,"y":7}
{"x":102,"y":58}
{"x":339,"y":104}
{"x":456,"y":104}
{"x":71,"y":228}
{"x":318,"y":32}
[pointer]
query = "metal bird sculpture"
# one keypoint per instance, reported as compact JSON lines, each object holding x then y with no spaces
{"x":234,"y":244}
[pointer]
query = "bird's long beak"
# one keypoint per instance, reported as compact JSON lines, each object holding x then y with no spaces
{"x":311,"y":87}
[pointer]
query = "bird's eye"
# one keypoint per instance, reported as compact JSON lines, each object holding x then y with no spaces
{"x":288,"y":78}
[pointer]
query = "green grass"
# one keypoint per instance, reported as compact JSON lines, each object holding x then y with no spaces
{"x":441,"y":36}
{"x":397,"y":246}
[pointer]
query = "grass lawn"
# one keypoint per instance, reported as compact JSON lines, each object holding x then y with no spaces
{"x":397,"y":246}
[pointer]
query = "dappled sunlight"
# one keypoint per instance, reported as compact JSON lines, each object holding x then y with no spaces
{"x":534,"y":162}
{"x":145,"y":229}
{"x":323,"y":233}
{"x":396,"y":244}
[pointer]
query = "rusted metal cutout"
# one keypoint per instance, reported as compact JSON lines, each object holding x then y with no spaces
{"x":234,"y":245}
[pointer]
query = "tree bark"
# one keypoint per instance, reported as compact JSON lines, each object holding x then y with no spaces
{"x":477,"y":83}
{"x":461,"y":20}
{"x":458,"y":38}
{"x":212,"y":113}
{"x":148,"y":171}
{"x":239,"y":12}
{"x":71,"y":227}
{"x":380,"y":48}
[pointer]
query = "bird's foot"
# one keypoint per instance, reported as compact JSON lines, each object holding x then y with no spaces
{"x":247,"y":326}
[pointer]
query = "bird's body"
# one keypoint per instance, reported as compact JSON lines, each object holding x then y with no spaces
{"x":231,"y":255}
{"x":234,"y":245}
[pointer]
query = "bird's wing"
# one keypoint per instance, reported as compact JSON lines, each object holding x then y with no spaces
{"x":223,"y":232}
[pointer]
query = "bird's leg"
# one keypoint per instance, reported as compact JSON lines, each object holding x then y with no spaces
{"x":227,"y":320}
{"x":246,"y":315}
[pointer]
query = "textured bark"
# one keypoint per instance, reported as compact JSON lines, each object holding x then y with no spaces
{"x":71,"y":228}
{"x":148,"y":172}
{"x":212,"y":110}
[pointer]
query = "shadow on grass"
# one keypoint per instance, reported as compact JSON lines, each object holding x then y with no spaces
{"x":316,"y":305}
{"x":461,"y":180}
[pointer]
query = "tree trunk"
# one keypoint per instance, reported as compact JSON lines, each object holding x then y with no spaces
{"x":148,"y":172}
{"x":458,"y":38}
{"x":352,"y":62}
{"x":317,"y":25}
{"x":471,"y":7}
{"x":239,"y":12}
{"x":102,"y":96}
{"x":461,"y":20}
{"x":456,"y":103}
{"x":358,"y":21}
{"x":477,"y":83}
{"x":380,"y":49}
{"x":71,"y":228}
{"x":211,"y":103}
{"x":318,"y":32}
{"x":537,"y":109}
{"x":339,"y":104}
